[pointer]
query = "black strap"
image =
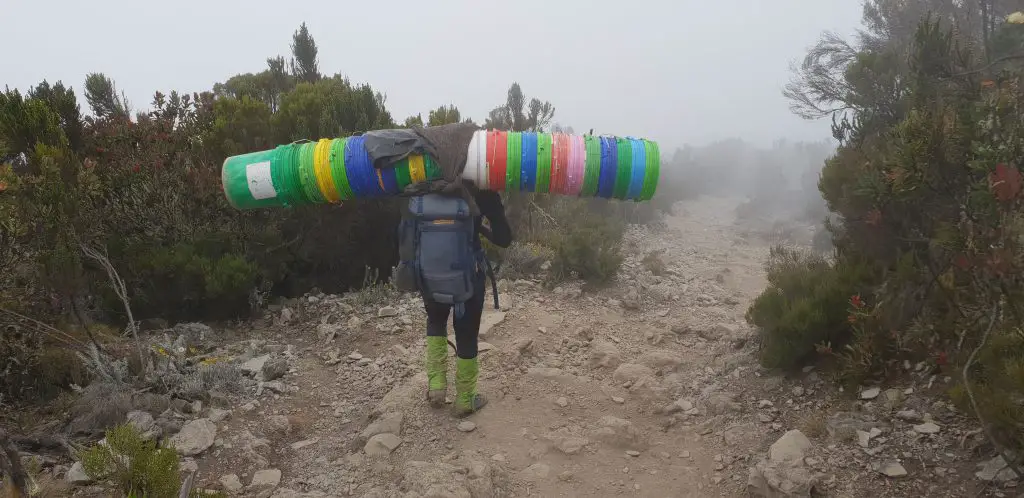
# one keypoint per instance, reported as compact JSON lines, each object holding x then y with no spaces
{"x":494,"y":281}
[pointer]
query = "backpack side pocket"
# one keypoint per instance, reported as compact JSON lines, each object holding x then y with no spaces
{"x":406,"y":275}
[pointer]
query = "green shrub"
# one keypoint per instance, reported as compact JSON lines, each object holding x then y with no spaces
{"x":181,"y":282}
{"x":20,"y":355}
{"x":33,"y":365}
{"x":997,"y":379}
{"x":928,"y":189}
{"x":805,"y":306}
{"x":375,"y":291}
{"x":524,"y":259}
{"x":138,"y":467}
{"x":148,"y":190}
{"x":580,"y":237}
{"x":587,"y":245}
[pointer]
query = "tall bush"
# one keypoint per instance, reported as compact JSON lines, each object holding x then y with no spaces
{"x":587,"y":243}
{"x":926,"y":186}
{"x":146,"y":190}
{"x":804,"y":309}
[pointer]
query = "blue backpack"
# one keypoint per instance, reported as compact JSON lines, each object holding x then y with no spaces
{"x":436,"y":253}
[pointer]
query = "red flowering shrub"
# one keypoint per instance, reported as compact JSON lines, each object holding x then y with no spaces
{"x":928,"y":192}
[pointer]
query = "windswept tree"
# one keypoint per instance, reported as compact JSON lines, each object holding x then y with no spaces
{"x":518,"y":115}
{"x":304,"y":53}
{"x":862,"y":80}
{"x":103,"y":98}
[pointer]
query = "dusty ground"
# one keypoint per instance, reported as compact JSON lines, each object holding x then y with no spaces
{"x":649,"y":387}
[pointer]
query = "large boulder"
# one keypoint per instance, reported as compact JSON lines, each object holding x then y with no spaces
{"x":382,"y":445}
{"x":77,"y":476}
{"x":783,"y":474}
{"x":145,"y":424}
{"x":771,"y":480}
{"x":566,"y":441}
{"x":403,"y":395}
{"x":231,"y":483}
{"x":274,"y":369}
{"x":387,"y":424}
{"x":254,"y":365}
{"x":195,"y":437}
{"x":490,"y":320}
{"x":995,"y":469}
{"x":792,"y":446}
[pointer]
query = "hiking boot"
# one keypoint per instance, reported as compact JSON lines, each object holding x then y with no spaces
{"x":437,"y":370}
{"x":467,"y":401}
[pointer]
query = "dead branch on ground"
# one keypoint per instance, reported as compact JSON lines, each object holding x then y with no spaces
{"x":545,"y":213}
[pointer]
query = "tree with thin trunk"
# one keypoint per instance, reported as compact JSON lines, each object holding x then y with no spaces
{"x":304,"y":53}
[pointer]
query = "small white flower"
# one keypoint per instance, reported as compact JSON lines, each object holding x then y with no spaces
{"x":1015,"y":18}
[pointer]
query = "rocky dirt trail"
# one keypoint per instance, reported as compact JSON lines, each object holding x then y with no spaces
{"x":649,"y":387}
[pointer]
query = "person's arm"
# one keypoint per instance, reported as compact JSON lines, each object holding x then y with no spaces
{"x":500,"y":233}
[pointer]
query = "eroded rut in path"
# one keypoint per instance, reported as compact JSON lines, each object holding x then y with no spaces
{"x":646,"y":388}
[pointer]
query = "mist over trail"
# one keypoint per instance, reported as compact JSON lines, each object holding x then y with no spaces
{"x":777,"y":185}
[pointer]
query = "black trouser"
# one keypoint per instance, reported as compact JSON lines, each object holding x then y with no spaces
{"x":467,"y":328}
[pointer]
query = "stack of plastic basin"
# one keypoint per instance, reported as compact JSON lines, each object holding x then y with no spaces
{"x":322,"y":172}
{"x":331,"y":171}
{"x":556,"y":163}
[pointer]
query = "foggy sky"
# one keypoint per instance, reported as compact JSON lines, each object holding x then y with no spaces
{"x":676,"y":71}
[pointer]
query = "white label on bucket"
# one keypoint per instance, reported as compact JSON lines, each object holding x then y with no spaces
{"x":257,"y":175}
